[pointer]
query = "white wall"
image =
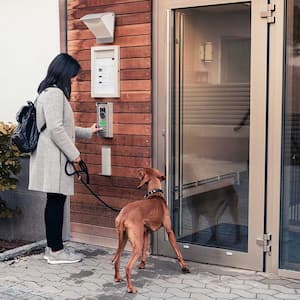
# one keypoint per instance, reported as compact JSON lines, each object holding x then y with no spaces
{"x":29,"y":38}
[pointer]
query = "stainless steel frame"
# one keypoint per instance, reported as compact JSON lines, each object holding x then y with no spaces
{"x":162,"y":83}
{"x":276,"y":96}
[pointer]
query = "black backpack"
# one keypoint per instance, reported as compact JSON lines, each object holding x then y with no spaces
{"x":26,"y":134}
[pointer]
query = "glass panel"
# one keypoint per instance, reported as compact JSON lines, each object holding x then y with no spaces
{"x":290,"y":200}
{"x":211,"y":125}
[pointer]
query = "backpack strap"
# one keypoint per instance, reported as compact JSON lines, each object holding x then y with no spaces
{"x":45,"y":125}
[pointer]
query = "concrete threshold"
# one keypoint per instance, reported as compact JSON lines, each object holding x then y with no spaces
{"x":22,"y":250}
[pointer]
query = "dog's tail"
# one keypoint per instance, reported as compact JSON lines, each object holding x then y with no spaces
{"x":122,"y":237}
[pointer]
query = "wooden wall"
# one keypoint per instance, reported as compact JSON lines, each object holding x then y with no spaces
{"x":131,"y":144}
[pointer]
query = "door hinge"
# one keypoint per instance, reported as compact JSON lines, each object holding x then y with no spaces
{"x":268,"y":13}
{"x":265,"y":242}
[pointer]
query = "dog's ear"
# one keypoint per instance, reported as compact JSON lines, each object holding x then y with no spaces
{"x":158,"y":174}
{"x":162,"y":178}
{"x":141,"y":173}
{"x":144,"y":178}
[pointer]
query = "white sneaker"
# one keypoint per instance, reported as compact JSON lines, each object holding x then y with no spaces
{"x":46,"y":254}
{"x":47,"y":251}
{"x":63,"y":257}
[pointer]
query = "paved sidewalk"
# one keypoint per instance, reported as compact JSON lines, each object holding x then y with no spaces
{"x":32,"y":278}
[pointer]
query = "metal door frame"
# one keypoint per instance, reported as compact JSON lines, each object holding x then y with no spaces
{"x":162,"y":49}
{"x":276,"y":87}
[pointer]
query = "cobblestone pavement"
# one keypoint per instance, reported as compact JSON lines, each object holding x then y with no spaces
{"x":30,"y":277}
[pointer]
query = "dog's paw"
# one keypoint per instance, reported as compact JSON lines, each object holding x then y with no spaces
{"x":185,"y":270}
{"x":131,"y":290}
{"x":118,"y":279}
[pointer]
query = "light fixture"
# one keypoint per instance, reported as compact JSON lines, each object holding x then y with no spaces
{"x":102,"y":25}
{"x":206,"y":52}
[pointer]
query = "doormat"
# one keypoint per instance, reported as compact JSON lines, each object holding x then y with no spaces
{"x":290,"y":251}
{"x":225,"y":238}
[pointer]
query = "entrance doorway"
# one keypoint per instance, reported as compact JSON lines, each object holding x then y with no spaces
{"x":213,"y":141}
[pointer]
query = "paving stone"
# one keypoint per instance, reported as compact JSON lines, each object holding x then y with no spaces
{"x":200,"y":297}
{"x":238,"y":286}
{"x":92,"y":279}
{"x":178,"y":292}
{"x":10,"y":278}
{"x":255,"y":277}
{"x":257,"y":284}
{"x":264,"y":291}
{"x":224,"y":299}
{"x":31,"y":285}
{"x":282,"y":289}
{"x":8,"y":297}
{"x":223,"y":296}
{"x":166,"y":284}
{"x":267,"y":297}
{"x":276,"y":281}
{"x":141,"y":297}
{"x":243,"y":293}
{"x":152,"y":295}
{"x":193,"y":283}
{"x":287,"y":296}
{"x":293,"y":285}
{"x":70,"y":294}
{"x":230,"y":279}
{"x":48,"y":289}
{"x":200,"y":290}
{"x":218,"y":288}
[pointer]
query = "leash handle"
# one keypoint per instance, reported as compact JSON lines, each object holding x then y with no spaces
{"x":83,"y":169}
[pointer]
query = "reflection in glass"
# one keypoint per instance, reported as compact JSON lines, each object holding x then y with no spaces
{"x":290,"y":200}
{"x":211,"y":126}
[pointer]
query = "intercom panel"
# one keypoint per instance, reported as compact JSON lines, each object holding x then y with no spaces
{"x":105,"y":118}
{"x":105,"y":72}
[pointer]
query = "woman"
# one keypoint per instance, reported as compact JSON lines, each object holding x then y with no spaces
{"x":56,"y":145}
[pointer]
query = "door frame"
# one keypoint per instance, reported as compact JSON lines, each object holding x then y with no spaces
{"x":163,"y":28}
{"x":276,"y":87}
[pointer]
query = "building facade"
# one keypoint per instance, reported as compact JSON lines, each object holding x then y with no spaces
{"x":209,"y":95}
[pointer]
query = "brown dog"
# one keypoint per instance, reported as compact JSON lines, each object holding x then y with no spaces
{"x":137,"y":219}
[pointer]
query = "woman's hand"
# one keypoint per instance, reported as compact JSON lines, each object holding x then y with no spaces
{"x":95,"y":129}
{"x":77,"y":159}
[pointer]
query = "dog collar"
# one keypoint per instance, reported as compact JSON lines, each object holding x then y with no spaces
{"x":153,"y":192}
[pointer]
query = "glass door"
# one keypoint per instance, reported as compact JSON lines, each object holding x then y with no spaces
{"x":289,"y":242}
{"x":210,"y":126}
{"x":215,"y":141}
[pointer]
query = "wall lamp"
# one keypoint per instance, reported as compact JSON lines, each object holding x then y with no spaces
{"x":206,"y":52}
{"x":102,"y":25}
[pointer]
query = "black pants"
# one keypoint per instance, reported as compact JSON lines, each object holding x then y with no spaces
{"x":54,"y":218}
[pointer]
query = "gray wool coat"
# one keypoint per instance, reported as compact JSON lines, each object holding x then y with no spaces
{"x":56,"y":143}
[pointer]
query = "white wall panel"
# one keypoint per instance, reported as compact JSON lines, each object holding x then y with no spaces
{"x":29,"y":37}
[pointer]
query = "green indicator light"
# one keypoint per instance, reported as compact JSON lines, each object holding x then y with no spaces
{"x":102,"y":123}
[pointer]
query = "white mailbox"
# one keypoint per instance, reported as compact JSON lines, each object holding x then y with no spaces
{"x":105,"y":71}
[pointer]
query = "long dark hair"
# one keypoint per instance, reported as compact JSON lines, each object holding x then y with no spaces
{"x":60,"y":71}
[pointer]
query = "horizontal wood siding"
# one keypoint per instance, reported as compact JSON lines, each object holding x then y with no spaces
{"x":131,"y":144}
